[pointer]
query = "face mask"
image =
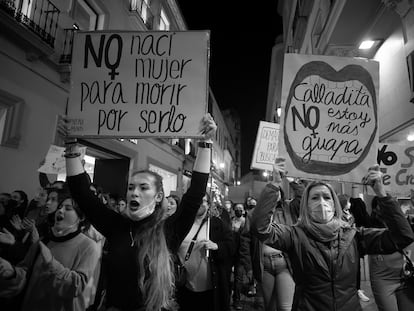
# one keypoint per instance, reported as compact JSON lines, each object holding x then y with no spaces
{"x":142,"y":212}
{"x":238,"y":213}
{"x":64,"y":231}
{"x":321,"y":212}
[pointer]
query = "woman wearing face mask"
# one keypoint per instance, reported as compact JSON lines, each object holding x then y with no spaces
{"x":140,"y":241}
{"x":54,"y":276}
{"x":323,"y":249}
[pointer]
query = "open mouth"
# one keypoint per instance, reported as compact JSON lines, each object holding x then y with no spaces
{"x":133,"y":205}
{"x":59,"y":217}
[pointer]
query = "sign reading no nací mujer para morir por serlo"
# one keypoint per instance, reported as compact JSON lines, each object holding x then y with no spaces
{"x":138,"y":84}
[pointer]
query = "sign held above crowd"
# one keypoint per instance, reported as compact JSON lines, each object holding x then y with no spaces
{"x":266,"y":146}
{"x":138,"y":84}
{"x":329,"y":124}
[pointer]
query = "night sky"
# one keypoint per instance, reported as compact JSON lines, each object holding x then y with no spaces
{"x":242,"y":37}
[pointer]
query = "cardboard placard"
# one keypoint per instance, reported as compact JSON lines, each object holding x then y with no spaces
{"x":55,"y":161}
{"x":138,"y":84}
{"x":397,"y":163}
{"x":266,"y":146}
{"x":329,"y":125}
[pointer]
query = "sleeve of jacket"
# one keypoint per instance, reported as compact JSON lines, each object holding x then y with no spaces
{"x":71,"y":282}
{"x":180,"y":223}
{"x":385,"y":241}
{"x":13,"y":286}
{"x":359,"y":211}
{"x":275,"y":235}
{"x":244,"y":250}
{"x":102,"y":218}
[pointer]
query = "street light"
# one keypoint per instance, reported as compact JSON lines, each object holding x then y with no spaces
{"x":238,"y":183}
{"x":366,"y":45}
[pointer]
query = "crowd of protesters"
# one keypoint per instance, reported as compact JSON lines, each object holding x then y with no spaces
{"x":75,"y":247}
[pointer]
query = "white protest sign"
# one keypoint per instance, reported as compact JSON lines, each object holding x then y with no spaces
{"x":329,"y":125}
{"x":397,"y":163}
{"x":55,"y":161}
{"x":265,"y":149}
{"x":138,"y":84}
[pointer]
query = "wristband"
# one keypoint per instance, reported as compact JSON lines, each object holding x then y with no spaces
{"x":72,"y":155}
{"x":203,"y":144}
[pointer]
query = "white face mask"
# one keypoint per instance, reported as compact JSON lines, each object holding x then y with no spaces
{"x":142,"y":212}
{"x":322,"y":211}
{"x":62,"y":232}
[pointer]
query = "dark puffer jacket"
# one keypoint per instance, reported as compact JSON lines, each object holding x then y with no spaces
{"x":325,"y":274}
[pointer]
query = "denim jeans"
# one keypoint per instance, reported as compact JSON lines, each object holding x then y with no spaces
{"x":277,"y":284}
{"x":389,"y":292}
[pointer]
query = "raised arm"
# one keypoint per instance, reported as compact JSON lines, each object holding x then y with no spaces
{"x":179,"y":224}
{"x":398,"y":233}
{"x":275,"y":235}
{"x":70,"y":282}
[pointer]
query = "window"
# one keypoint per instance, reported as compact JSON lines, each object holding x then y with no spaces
{"x":11,"y":113}
{"x":164,"y":21}
{"x":86,"y":16}
{"x":142,"y":7}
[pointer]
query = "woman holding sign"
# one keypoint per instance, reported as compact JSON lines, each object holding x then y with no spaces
{"x":324,"y":250}
{"x":141,"y":240}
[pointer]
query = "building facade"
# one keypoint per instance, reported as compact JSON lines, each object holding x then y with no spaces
{"x":337,"y":28}
{"x":35,"y":60}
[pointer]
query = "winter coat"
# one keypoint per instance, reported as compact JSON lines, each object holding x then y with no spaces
{"x":325,"y":273}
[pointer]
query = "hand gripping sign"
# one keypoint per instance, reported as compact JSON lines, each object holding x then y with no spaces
{"x":329,"y":126}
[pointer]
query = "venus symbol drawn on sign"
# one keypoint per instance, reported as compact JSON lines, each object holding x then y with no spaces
{"x":330,"y":118}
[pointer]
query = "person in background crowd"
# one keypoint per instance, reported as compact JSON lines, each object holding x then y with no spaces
{"x":173,"y":203}
{"x":250,"y":203}
{"x":5,"y":198}
{"x":20,"y":197}
{"x":277,"y":283}
{"x":250,"y":257}
{"x":237,"y":224}
{"x":207,"y":277}
{"x":390,"y":293}
{"x":347,"y":215}
{"x":324,"y":249}
{"x":141,"y":240}
{"x":297,"y":187}
{"x":228,"y":206}
{"x":121,"y":205}
{"x":54,"y":275}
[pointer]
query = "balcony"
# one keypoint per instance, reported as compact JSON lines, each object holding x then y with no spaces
{"x":38,"y":17}
{"x":142,"y":8}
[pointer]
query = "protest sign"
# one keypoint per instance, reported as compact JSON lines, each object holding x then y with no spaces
{"x":265,"y":149}
{"x":55,"y":161}
{"x":138,"y":84}
{"x":397,"y":163}
{"x":329,"y":126}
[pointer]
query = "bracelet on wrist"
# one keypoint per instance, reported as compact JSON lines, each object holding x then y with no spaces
{"x":203,"y":144}
{"x":72,"y":155}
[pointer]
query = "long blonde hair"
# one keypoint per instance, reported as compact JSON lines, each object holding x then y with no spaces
{"x":156,"y":278}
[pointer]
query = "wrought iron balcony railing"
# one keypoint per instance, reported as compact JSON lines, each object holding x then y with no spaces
{"x":39,"y":16}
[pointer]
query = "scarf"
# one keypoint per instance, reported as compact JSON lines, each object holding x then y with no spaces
{"x":325,"y":232}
